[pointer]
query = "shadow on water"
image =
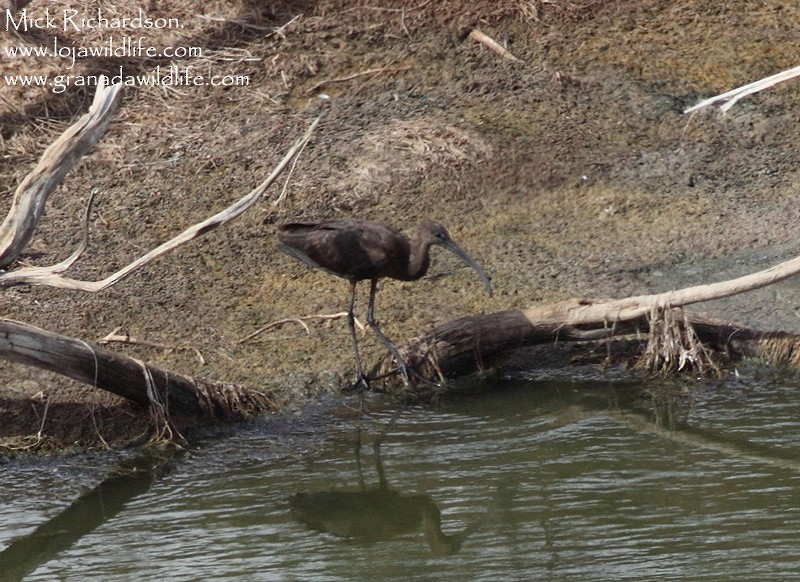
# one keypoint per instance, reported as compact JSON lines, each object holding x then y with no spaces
{"x":376,"y":514}
{"x":131,"y":479}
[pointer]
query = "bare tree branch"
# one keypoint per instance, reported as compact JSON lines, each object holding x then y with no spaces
{"x":486,"y":40}
{"x":33,"y":192}
{"x":728,"y":99}
{"x":50,"y":276}
{"x":633,"y":307}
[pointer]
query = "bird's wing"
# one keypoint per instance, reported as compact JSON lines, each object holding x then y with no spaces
{"x":349,"y":248}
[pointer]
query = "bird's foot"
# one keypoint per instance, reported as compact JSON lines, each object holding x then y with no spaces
{"x":361,"y":384}
{"x":407,"y":372}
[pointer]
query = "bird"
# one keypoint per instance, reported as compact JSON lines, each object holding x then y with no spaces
{"x":361,"y":250}
{"x":376,"y":513}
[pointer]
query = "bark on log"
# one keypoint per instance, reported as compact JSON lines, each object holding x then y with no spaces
{"x":130,"y":378}
{"x":465,"y":344}
{"x":469,"y":344}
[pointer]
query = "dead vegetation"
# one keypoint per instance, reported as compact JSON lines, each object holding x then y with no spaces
{"x":673,"y":346}
{"x":166,"y":396}
{"x":572,"y":173}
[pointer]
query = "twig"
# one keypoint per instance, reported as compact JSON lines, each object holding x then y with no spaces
{"x":728,"y":99}
{"x":488,"y":41}
{"x":382,"y":9}
{"x":97,"y":431}
{"x":386,"y":69}
{"x":70,"y":260}
{"x":301,"y":321}
{"x":282,"y":196}
{"x":116,"y":337}
{"x":245,"y":25}
{"x":237,"y":21}
{"x":39,"y":435}
{"x":279,"y":31}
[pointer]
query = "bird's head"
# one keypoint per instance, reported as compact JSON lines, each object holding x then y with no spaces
{"x":433,"y":233}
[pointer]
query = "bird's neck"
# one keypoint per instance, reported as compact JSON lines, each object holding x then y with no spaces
{"x":419,"y":257}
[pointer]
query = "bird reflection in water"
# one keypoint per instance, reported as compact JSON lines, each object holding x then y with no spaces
{"x":375,"y":514}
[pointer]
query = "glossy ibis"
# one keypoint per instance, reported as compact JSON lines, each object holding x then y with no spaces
{"x":376,"y":513}
{"x":358,"y":250}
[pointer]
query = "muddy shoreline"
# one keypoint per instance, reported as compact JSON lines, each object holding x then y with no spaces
{"x":572,"y":173}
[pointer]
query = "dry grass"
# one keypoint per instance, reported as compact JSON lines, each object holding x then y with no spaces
{"x":780,"y":350}
{"x":544,"y":10}
{"x":673,"y":347}
{"x":494,"y":150}
{"x":392,"y":153}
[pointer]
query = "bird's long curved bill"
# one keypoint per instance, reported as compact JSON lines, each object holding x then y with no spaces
{"x":462,"y":254}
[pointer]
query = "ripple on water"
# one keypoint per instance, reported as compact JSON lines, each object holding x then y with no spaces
{"x":560,"y":484}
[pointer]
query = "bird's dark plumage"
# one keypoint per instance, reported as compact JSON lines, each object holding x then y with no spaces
{"x":357,"y":250}
{"x":352,"y":249}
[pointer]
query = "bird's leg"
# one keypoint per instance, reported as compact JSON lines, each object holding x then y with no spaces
{"x":351,"y":323}
{"x":376,"y":449}
{"x":358,"y":460}
{"x":404,"y":368}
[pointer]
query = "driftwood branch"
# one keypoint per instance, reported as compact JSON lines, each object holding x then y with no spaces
{"x":115,"y":337}
{"x":467,"y":344}
{"x":32,"y":194}
{"x":634,"y":307}
{"x":134,"y":380}
{"x":486,"y":40}
{"x":728,"y":99}
{"x":50,"y":276}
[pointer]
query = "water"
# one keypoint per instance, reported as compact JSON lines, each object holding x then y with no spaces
{"x":552,"y":480}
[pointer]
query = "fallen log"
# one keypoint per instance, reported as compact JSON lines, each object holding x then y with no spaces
{"x":477,"y":342}
{"x":672,"y":340}
{"x":165,"y":393}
